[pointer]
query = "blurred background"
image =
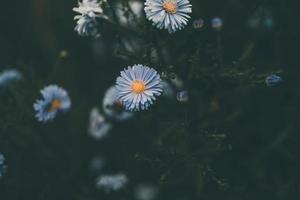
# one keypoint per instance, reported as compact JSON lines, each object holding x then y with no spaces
{"x":233,"y":137}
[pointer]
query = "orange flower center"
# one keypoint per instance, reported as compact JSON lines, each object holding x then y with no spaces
{"x":138,"y":86}
{"x":170,"y":7}
{"x":118,"y":104}
{"x":55,"y":104}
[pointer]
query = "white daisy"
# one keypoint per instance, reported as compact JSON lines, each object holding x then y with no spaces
{"x":138,"y":87}
{"x":88,"y":11}
{"x":91,"y":8}
{"x":168,"y":14}
{"x":55,"y":100}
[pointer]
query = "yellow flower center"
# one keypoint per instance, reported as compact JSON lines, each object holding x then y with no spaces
{"x":138,"y":86}
{"x":55,"y":104}
{"x":170,"y":7}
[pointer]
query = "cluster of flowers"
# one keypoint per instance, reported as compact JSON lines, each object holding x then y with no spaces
{"x":171,"y":15}
{"x":136,"y":89}
{"x":138,"y":86}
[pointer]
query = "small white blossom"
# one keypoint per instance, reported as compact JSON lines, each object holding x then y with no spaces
{"x":112,"y":182}
{"x":91,"y":8}
{"x":89,"y":11}
{"x":9,"y":75}
{"x":138,"y":86}
{"x":168,"y":14}
{"x":55,"y":100}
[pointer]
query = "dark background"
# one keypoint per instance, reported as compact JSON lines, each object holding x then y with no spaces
{"x":236,"y":138}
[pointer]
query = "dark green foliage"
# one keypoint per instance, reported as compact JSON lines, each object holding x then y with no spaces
{"x":235,"y":138}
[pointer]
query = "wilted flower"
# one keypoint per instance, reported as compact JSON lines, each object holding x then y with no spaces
{"x":55,"y":100}
{"x":113,"y":107}
{"x":198,"y":23}
{"x":9,"y":75}
{"x":183,"y":96}
{"x":2,"y":165}
{"x":273,"y":80}
{"x":98,"y":127}
{"x":138,"y":87}
{"x":112,"y":182}
{"x":168,"y":14}
{"x":217,"y":23}
{"x":89,"y":10}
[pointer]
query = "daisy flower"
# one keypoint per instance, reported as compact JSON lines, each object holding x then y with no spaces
{"x":91,"y":8}
{"x":138,"y":87}
{"x":168,"y":14}
{"x":55,"y":100}
{"x":113,"y":107}
{"x":88,"y":11}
